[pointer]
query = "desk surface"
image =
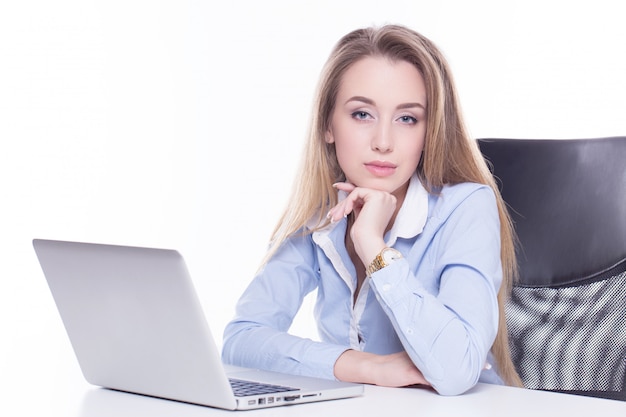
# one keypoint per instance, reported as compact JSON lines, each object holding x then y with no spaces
{"x":482,"y":401}
{"x":39,"y":376}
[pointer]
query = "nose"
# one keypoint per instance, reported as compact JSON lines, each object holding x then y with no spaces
{"x":382,"y":140}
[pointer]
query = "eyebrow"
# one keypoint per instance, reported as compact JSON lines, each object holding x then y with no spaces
{"x":399,"y":107}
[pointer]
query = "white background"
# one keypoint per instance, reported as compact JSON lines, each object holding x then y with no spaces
{"x":179,"y":124}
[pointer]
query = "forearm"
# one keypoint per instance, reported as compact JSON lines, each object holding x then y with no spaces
{"x":266,"y":348}
{"x":447,"y":343}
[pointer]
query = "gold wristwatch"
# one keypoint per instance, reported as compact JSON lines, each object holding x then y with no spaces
{"x":383,"y":259}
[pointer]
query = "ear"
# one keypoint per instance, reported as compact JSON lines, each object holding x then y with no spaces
{"x":328,"y":136}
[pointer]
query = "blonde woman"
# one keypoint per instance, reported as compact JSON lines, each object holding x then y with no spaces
{"x":396,"y":222}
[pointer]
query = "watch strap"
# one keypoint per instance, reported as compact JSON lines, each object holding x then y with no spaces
{"x":379,"y":261}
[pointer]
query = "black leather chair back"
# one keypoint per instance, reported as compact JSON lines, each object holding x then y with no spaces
{"x":568,"y":201}
{"x":567,"y":313}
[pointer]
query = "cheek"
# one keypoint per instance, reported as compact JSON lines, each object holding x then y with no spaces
{"x":347,"y":141}
{"x":412,"y":143}
{"x":344,"y":154}
{"x":347,"y":157}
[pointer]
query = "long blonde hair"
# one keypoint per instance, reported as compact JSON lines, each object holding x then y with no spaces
{"x":450,"y":155}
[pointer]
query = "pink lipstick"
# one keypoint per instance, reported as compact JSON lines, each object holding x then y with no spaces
{"x":380,"y":168}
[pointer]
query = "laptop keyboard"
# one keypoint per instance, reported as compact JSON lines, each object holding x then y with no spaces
{"x":243,"y":388}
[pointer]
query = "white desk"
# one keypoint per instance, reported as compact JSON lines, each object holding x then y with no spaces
{"x":483,"y":401}
{"x":39,"y":376}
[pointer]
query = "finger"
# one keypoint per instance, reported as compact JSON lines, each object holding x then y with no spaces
{"x":354,"y":200}
{"x":341,"y":210}
{"x":344,"y":186}
{"x":338,"y":212}
{"x":351,"y":203}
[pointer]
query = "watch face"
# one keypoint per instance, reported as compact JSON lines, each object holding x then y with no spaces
{"x":390,"y":255}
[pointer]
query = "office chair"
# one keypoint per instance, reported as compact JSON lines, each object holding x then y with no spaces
{"x":567,"y":312}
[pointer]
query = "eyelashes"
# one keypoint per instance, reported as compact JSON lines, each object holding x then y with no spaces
{"x":363,"y":115}
{"x":408,"y":119}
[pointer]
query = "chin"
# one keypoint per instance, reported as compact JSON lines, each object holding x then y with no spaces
{"x":380,"y":185}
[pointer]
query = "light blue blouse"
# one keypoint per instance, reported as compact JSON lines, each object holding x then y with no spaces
{"x":439,"y":302}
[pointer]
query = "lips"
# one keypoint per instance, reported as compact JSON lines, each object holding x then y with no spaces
{"x":381,"y":168}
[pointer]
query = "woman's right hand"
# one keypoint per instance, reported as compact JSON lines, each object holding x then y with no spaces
{"x":373,"y":211}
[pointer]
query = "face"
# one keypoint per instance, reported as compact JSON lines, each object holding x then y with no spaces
{"x":379,"y":123}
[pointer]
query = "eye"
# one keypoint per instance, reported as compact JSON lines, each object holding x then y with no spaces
{"x":408,"y":120}
{"x":361,"y":115}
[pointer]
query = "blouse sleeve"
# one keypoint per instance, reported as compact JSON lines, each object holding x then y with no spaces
{"x":449,"y":331}
{"x":257,"y":336}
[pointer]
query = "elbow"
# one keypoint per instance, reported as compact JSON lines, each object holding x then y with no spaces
{"x":454,"y":381}
{"x":455,"y":368}
{"x":228,"y":350}
{"x":234,"y":339}
{"x":453,"y":388}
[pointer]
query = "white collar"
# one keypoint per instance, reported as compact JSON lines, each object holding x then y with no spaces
{"x":412,"y":215}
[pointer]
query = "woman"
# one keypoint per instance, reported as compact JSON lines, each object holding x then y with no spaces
{"x":396,"y":221}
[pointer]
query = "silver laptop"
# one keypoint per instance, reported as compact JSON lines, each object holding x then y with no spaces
{"x":136,"y":324}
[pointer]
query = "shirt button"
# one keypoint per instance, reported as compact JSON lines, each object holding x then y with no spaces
{"x":409,"y":331}
{"x":386,"y":287}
